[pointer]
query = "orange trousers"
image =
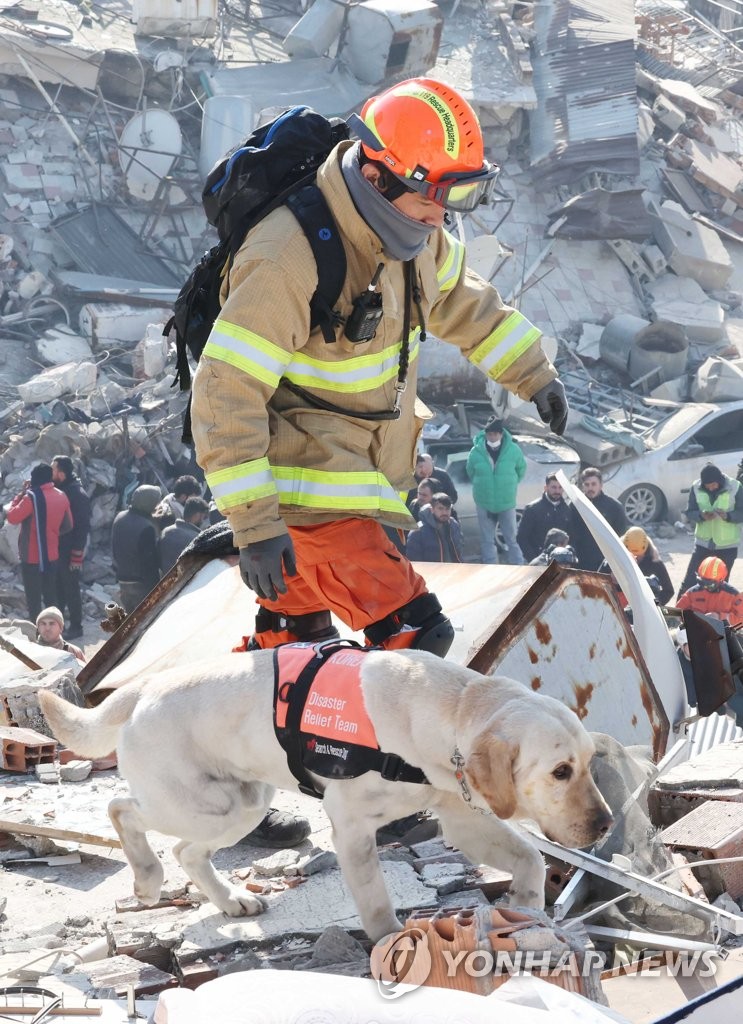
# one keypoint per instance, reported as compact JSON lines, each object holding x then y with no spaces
{"x":349,"y":567}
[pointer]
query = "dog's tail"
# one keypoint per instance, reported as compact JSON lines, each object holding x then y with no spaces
{"x":90,"y":732}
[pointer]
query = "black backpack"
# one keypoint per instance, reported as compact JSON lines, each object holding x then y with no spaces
{"x":275,"y":166}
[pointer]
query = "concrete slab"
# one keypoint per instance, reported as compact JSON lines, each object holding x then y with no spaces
{"x":702,"y":321}
{"x":310,"y":908}
{"x":61,"y":345}
{"x":718,"y":380}
{"x":692,"y":250}
{"x":22,"y":177}
{"x":719,"y":768}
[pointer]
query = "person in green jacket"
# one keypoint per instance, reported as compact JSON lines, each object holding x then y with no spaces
{"x":495,"y":466}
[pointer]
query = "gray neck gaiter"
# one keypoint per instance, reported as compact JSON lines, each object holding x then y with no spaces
{"x":402,"y":237}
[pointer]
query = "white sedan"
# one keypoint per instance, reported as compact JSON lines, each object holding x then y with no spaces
{"x":656,"y":484}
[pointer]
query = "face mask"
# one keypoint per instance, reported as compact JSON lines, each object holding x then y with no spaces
{"x":402,"y":237}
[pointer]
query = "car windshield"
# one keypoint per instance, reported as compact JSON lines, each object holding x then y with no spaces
{"x":688,"y":416}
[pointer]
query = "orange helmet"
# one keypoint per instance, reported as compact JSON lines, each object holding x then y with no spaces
{"x":712,"y":570}
{"x":429,"y":137}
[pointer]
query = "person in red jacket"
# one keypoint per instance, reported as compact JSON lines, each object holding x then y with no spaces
{"x":44,"y":514}
{"x":712,"y":595}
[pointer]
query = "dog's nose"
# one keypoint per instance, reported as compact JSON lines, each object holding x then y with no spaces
{"x":603,"y":822}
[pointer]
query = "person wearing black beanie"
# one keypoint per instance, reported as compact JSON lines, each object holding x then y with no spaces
{"x":716,"y":509}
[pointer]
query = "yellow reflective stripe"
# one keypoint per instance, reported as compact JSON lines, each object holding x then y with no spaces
{"x":352,"y":491}
{"x":449,"y":271}
{"x":239,"y":485}
{"x":247,"y":351}
{"x":511,"y":338}
{"x":349,"y":376}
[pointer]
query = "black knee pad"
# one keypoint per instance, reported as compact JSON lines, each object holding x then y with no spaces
{"x":436,"y":635}
{"x":435,"y":631}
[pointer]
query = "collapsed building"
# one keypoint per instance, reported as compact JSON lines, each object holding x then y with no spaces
{"x":619,"y":210}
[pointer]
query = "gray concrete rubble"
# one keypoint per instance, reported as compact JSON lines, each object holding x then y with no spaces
{"x":616,"y":228}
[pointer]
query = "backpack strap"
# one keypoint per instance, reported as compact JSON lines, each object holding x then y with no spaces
{"x":313,"y":213}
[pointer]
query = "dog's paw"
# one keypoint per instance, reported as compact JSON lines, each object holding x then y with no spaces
{"x":526,"y":898}
{"x":148,"y":885}
{"x":240,"y":903}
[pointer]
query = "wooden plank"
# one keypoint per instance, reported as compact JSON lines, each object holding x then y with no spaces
{"x":27,"y":828}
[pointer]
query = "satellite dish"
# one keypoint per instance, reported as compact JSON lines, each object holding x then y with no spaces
{"x":148,"y":147}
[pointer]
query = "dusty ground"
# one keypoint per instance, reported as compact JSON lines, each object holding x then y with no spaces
{"x":67,"y":905}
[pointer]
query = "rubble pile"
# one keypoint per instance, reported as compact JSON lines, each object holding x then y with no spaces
{"x":85,"y":378}
{"x":636,"y":281}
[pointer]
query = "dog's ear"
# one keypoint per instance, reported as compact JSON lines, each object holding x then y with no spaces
{"x":489,"y":770}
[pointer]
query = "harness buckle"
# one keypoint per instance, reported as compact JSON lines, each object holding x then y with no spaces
{"x":391,"y":767}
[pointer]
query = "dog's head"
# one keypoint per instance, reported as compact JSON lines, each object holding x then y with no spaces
{"x":532,"y":760}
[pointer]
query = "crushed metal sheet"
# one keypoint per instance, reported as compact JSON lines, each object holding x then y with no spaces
{"x":584,"y":77}
{"x":657,"y":892}
{"x":683,"y":188}
{"x":599,"y":214}
{"x":101,"y":242}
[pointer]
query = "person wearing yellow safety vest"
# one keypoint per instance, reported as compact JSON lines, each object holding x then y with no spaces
{"x":309,"y":447}
{"x":716,"y":507}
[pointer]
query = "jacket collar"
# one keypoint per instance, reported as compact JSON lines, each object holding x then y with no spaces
{"x":332,"y":184}
{"x":505,"y":438}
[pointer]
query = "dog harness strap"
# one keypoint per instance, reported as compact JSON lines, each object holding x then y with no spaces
{"x":295,"y":696}
{"x":301,"y":746}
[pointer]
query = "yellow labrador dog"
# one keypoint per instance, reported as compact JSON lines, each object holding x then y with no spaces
{"x":198,"y":750}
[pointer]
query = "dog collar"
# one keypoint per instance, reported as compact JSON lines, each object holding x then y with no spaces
{"x":458,"y":761}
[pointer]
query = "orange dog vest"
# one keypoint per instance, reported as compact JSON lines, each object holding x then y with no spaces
{"x":320,"y":719}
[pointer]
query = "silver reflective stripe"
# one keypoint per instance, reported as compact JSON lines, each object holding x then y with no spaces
{"x":247,"y":351}
{"x":239,"y":485}
{"x":519,"y":335}
{"x":355,"y":374}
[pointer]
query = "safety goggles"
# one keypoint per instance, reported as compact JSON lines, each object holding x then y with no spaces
{"x":458,"y":191}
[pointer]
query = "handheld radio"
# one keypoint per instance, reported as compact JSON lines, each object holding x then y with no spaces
{"x":367,"y":312}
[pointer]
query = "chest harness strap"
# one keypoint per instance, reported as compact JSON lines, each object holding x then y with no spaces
{"x":390,"y":766}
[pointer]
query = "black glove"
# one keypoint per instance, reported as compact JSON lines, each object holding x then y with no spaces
{"x":552,"y":405}
{"x":263,"y":563}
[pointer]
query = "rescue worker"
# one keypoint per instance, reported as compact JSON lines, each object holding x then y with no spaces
{"x":716,"y":508}
{"x":308,"y":446}
{"x":712,"y":595}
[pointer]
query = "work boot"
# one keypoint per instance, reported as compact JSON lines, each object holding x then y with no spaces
{"x":413,"y":829}
{"x":74,"y":632}
{"x":279,"y":829}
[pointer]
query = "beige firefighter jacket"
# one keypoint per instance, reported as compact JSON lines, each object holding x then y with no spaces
{"x":271,"y":458}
